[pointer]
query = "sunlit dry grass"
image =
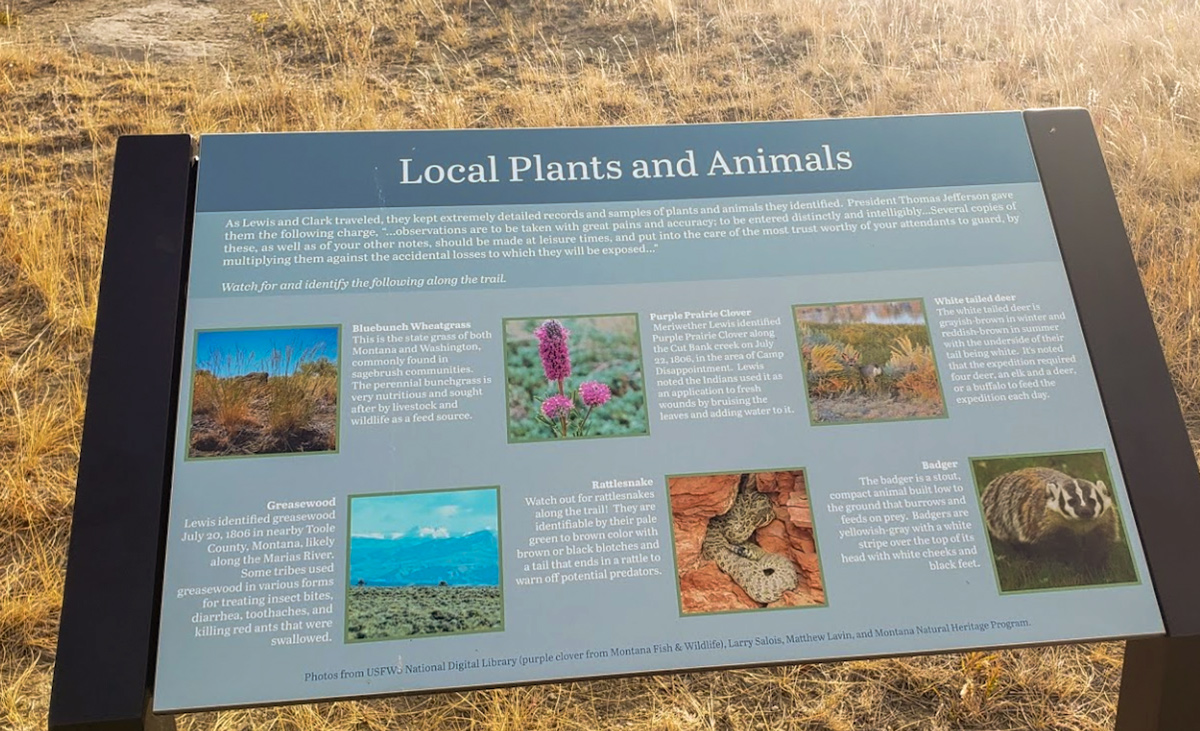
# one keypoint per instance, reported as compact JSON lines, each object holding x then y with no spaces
{"x":358,"y":64}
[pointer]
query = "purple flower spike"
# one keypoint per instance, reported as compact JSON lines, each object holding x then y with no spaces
{"x":594,"y":393}
{"x":557,"y":406}
{"x":556,"y":355}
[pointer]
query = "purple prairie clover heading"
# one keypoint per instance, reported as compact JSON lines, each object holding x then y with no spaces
{"x":553,"y":349}
{"x":557,"y":407}
{"x":594,"y":393}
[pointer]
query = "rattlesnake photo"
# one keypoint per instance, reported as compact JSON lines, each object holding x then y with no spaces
{"x":764,"y":576}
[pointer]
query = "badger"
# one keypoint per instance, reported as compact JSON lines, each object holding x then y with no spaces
{"x":1044,"y":511}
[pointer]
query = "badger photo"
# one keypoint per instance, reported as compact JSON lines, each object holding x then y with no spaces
{"x":1052,"y":521}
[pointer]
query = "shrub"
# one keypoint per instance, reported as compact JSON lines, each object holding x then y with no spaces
{"x":204,"y":392}
{"x":913,"y":367}
{"x":920,"y":383}
{"x":291,"y":404}
{"x":319,"y":368}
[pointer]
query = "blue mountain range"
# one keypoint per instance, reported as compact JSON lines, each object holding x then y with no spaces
{"x":470,"y":560}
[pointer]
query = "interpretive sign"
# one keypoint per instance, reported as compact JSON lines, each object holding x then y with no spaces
{"x":463,"y":409}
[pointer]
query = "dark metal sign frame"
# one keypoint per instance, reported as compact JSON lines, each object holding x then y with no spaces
{"x":104,"y":672}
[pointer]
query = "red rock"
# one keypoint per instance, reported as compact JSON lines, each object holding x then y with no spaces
{"x":800,"y":517}
{"x":703,"y":495}
{"x":696,"y":499}
{"x":773,"y":537}
{"x":709,"y":589}
{"x":810,"y":570}
{"x":689,"y":534}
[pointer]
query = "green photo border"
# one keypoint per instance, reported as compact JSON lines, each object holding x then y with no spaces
{"x":637,"y":328}
{"x":804,"y":368}
{"x":499,"y":565}
{"x":1116,"y":506}
{"x":191,"y":386}
{"x":675,"y":552}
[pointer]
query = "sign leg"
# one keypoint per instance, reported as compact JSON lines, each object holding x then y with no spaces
{"x":1160,"y":685}
{"x":103,"y":669}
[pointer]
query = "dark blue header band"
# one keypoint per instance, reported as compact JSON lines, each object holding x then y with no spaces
{"x":294,"y":171}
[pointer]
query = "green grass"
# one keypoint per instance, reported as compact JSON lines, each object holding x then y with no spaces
{"x":1016,"y":572}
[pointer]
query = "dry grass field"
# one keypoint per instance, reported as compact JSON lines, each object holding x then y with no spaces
{"x":356,"y":64}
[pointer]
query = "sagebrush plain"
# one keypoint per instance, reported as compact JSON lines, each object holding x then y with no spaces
{"x":400,"y":612}
{"x":368,"y":64}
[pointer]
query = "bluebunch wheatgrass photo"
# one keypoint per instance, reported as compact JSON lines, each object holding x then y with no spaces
{"x":264,"y":391}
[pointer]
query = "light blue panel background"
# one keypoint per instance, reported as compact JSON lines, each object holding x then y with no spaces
{"x":551,"y":619}
{"x":347,"y":173}
{"x":1031,"y":239}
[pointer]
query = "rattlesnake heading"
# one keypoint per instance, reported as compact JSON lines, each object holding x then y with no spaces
{"x":764,"y":576}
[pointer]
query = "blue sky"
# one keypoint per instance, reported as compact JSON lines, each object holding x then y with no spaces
{"x":427,"y":514}
{"x":234,"y":352}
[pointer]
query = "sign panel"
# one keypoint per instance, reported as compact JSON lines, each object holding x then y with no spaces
{"x":472,"y":408}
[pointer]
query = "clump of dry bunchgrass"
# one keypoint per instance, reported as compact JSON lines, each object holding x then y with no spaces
{"x":302,"y":383}
{"x":357,"y":64}
{"x":227,"y":398}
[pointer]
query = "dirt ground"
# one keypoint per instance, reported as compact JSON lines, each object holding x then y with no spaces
{"x":165,"y":30}
{"x":859,"y":407}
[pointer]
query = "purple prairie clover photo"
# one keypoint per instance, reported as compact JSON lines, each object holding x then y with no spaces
{"x":557,"y":406}
{"x":554,"y":351}
{"x":574,"y":377}
{"x":594,"y":393}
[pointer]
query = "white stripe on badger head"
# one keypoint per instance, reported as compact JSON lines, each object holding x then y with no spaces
{"x":1104,"y":498}
{"x":1053,"y":493}
{"x":1072,"y":491}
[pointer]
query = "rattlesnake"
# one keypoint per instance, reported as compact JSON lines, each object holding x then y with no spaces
{"x":765,"y":576}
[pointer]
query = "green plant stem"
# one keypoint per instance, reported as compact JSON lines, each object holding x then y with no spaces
{"x":583,"y":424}
{"x":563,"y":419}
